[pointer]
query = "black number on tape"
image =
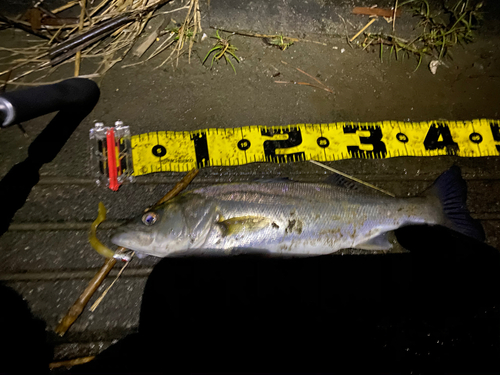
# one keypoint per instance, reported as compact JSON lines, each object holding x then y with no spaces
{"x":439,"y":137}
{"x":294,"y":139}
{"x":476,"y":138}
{"x":201,"y":149}
{"x":375,"y":139}
{"x":323,"y":142}
{"x":495,"y":130}
{"x":159,"y":151}
{"x":403,"y":138}
{"x":244,"y":144}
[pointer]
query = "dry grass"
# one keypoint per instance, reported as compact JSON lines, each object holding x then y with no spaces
{"x":105,"y":52}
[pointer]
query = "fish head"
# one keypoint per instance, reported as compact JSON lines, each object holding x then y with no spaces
{"x":158,"y":232}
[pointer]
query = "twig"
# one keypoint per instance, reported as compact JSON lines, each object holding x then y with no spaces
{"x":363,"y":29}
{"x":87,"y":14}
{"x":197,"y":27}
{"x":381,"y":12}
{"x":323,"y":86}
{"x":307,"y":74}
{"x":77,"y":308}
{"x":346,"y":31}
{"x":99,"y":300}
{"x":107,"y":10}
{"x":56,"y":34}
{"x":64,"y":7}
{"x":177,"y":188}
{"x":162,"y":47}
{"x":352,"y":178}
{"x":83,"y":4}
{"x":182,"y":31}
{"x":173,"y":10}
{"x":394,"y":16}
{"x":97,"y":8}
{"x":71,"y":362}
{"x":370,"y":42}
{"x":47,"y":12}
{"x":119,"y":31}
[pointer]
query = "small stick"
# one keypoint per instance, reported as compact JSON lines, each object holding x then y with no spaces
{"x":77,"y":308}
{"x":374,"y":11}
{"x":352,"y":178}
{"x":363,"y":29}
{"x":322,"y":85}
{"x":56,"y":34}
{"x":113,"y":35}
{"x":394,"y":17}
{"x":96,"y":303}
{"x":80,"y":28}
{"x":346,"y":31}
{"x":197,"y":28}
{"x":172,"y":11}
{"x":97,"y":8}
{"x":78,"y":59}
{"x":307,"y":74}
{"x":71,"y":362}
{"x":178,"y":187}
{"x":64,"y":7}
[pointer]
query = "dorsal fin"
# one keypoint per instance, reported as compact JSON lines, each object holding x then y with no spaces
{"x":340,"y":181}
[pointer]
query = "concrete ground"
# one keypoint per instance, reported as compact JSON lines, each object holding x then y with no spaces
{"x":45,"y":254}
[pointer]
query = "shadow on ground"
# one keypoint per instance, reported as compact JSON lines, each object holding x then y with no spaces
{"x":434,"y":310}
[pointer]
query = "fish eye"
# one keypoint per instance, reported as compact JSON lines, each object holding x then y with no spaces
{"x":150,"y":218}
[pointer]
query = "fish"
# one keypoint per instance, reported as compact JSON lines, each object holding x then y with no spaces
{"x":289,"y":218}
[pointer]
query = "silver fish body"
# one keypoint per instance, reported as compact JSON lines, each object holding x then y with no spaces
{"x":288,"y":218}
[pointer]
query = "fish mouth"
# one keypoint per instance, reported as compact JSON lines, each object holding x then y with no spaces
{"x":133,"y":240}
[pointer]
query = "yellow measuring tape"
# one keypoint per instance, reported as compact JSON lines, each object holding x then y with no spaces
{"x":181,"y":151}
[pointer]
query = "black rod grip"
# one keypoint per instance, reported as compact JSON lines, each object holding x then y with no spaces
{"x":38,"y":101}
{"x":74,"y":99}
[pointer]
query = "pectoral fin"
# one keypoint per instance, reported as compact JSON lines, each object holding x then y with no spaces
{"x":240,"y":224}
{"x":380,"y":242}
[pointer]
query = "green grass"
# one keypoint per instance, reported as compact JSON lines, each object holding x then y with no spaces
{"x":222,"y":48}
{"x":440,"y":32}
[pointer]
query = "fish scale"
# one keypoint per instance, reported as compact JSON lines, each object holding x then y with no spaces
{"x":307,"y":218}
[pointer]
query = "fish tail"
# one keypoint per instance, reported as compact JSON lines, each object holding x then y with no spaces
{"x":451,"y":190}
